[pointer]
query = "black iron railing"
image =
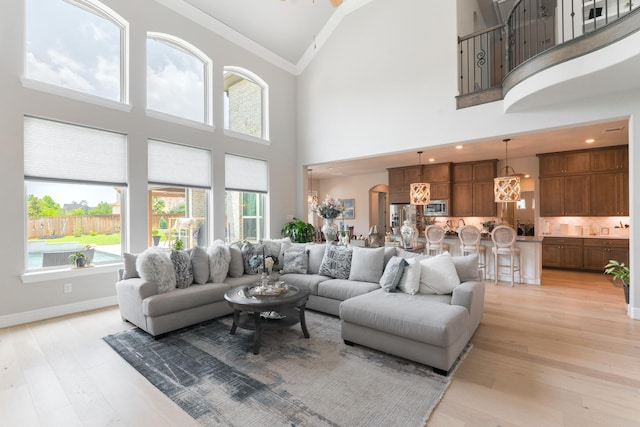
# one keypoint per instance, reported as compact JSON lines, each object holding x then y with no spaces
{"x":532,"y":27}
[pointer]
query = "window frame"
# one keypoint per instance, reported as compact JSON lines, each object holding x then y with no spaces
{"x":188,"y":48}
{"x":254,"y":78}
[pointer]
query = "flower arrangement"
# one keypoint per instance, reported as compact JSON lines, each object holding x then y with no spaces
{"x":328,"y":208}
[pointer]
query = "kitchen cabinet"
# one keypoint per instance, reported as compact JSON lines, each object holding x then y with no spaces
{"x":472,"y":189}
{"x":598,"y":252}
{"x":609,"y":195}
{"x":399,"y":182}
{"x":610,"y":159}
{"x":565,"y":196}
{"x":564,"y":163}
{"x":439,"y":178}
{"x":561,"y":252}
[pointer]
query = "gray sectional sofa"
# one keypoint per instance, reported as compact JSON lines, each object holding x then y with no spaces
{"x":423,"y":326}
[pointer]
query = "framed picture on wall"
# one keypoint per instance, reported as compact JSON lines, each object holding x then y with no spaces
{"x":349,"y":211}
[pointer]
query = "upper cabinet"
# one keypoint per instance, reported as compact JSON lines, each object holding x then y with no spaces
{"x":585,"y":183}
{"x":472,"y":188}
{"x":438,"y":175}
{"x":399,"y":182}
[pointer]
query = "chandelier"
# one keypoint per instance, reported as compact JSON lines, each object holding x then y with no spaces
{"x":420,"y":192}
{"x":507,"y":188}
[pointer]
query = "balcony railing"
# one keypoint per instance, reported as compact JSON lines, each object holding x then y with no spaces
{"x":532,"y":27}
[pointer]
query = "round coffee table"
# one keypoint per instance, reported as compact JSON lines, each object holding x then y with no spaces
{"x":247,"y":309}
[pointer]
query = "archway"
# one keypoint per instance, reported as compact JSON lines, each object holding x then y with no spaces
{"x":379,"y":208}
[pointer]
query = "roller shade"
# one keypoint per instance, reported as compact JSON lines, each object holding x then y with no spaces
{"x":246,"y":174}
{"x":174,"y":164}
{"x":64,"y":152}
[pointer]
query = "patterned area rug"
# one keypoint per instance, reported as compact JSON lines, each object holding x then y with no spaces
{"x":216,"y":378}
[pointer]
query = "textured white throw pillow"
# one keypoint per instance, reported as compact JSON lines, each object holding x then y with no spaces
{"x":438,"y":275}
{"x":219,"y":258}
{"x":366,"y":264}
{"x":410,"y":280}
{"x":154,"y":265}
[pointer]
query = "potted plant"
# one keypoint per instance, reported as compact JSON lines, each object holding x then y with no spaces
{"x":78,"y":259}
{"x":621,"y":276}
{"x":298,"y":231}
{"x":155,"y":235}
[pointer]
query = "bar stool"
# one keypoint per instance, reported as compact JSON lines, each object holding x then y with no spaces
{"x":435,"y":240}
{"x":470,"y":236}
{"x":504,"y":243}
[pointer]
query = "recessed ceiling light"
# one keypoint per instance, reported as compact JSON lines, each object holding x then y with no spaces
{"x":432,"y":160}
{"x":590,"y":141}
{"x":527,"y":176}
{"x":459,"y":147}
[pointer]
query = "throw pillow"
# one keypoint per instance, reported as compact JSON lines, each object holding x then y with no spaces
{"x":130,"y":266}
{"x":392,"y":274}
{"x":406,"y":254}
{"x":200,"y":265}
{"x":155,"y":266}
{"x":236,"y":264}
{"x":438,"y":275}
{"x":466,"y":267}
{"x":252,"y":257}
{"x":182,"y":267}
{"x":295,"y":262}
{"x":367,"y":264}
{"x":276,"y":249}
{"x":316,"y":255}
{"x":410,"y":280}
{"x":219,"y":257}
{"x":336,"y":262}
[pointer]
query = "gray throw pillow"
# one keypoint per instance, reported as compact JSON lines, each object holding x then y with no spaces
{"x":336,"y":262}
{"x":467,"y":267}
{"x":219,"y":258}
{"x":295,"y":262}
{"x":316,"y":255}
{"x":236,"y":264}
{"x":392,"y":273}
{"x":252,"y":257}
{"x":130,"y":266}
{"x":155,"y":266}
{"x":367,"y":264}
{"x":182,"y":266}
{"x":200,"y":265}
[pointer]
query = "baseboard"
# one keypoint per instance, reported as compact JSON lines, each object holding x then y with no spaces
{"x":633,"y":312}
{"x":57,"y":311}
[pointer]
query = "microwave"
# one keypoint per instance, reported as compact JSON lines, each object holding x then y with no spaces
{"x":437,"y":208}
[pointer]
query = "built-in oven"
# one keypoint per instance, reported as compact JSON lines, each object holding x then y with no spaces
{"x":437,"y":208}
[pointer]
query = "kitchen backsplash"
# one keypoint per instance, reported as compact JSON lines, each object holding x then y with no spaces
{"x":583,"y":226}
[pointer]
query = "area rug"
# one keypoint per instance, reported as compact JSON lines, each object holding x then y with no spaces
{"x":293,"y":381}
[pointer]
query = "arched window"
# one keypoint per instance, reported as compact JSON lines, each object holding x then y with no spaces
{"x":78,"y":45}
{"x":178,"y":79}
{"x":246,"y":100}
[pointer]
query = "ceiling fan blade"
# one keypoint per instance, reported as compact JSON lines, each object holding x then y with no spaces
{"x":336,"y":3}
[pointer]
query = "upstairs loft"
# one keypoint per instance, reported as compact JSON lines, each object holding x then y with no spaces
{"x":537,"y":36}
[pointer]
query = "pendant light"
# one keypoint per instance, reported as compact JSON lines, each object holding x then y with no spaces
{"x":420,"y":192}
{"x":312,"y":196}
{"x":507,"y":188}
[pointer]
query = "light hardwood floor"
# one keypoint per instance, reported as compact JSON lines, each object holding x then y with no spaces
{"x":561,"y":354}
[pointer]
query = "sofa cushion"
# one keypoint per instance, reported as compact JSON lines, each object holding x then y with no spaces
{"x":184,"y":299}
{"x":308,"y":281}
{"x":336,"y":262}
{"x":295,"y":262}
{"x":316,"y":255}
{"x":389,"y":252}
{"x":424,"y":318}
{"x":367,"y":264}
{"x":438,"y":275}
{"x":130,"y":271}
{"x":155,"y":266}
{"x":200,"y":265}
{"x":236,"y":264}
{"x":392,"y":274}
{"x":219,"y":257}
{"x":466,"y":267}
{"x":182,"y":266}
{"x":410,"y":280}
{"x":342,"y":289}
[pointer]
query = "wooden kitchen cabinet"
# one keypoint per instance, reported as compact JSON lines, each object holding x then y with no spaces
{"x":440,"y":191}
{"x":462,"y":199}
{"x":565,"y":196}
{"x":565,"y":163}
{"x":437,"y":173}
{"x":472,"y":189}
{"x":399,"y":182}
{"x":598,"y":252}
{"x":561,"y":252}
{"x":610,"y":159}
{"x":609,"y":195}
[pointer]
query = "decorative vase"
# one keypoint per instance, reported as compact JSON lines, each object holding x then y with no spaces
{"x":329,"y":229}
{"x":407,"y":234}
{"x":81,"y":261}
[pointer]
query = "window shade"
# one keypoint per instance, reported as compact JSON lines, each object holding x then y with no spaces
{"x":174,"y":164}
{"x":245,"y":174}
{"x":54,"y":150}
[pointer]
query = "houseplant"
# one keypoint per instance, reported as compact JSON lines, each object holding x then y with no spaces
{"x":78,"y":259}
{"x":298,"y":231}
{"x":621,"y":276}
{"x":155,"y":235}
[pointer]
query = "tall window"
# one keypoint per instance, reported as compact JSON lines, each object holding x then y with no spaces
{"x":179,"y":187}
{"x":178,"y":78}
{"x":74,"y":180}
{"x":245,"y":103}
{"x":79,"y":45}
{"x":246,"y":182}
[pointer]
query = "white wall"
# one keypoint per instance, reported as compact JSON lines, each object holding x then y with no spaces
{"x":386,"y":82}
{"x":26,"y":301}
